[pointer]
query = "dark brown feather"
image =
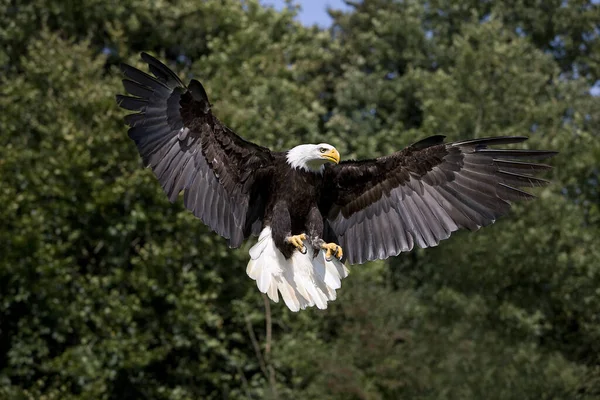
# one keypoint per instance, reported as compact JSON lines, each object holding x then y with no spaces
{"x":189,"y":149}
{"x":425,"y":192}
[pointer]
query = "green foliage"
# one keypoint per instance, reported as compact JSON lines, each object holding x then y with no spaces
{"x":108,"y":291}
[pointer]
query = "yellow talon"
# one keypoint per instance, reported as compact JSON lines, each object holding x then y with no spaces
{"x":297,"y":242}
{"x":332,"y":249}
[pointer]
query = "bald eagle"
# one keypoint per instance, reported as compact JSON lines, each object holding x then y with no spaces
{"x":310,"y":211}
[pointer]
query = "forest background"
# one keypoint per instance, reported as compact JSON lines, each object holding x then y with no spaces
{"x":108,"y":291}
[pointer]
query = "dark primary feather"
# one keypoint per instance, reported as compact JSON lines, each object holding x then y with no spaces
{"x":189,"y":149}
{"x":379,"y":208}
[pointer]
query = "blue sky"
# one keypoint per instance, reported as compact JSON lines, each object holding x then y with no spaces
{"x":313,"y":11}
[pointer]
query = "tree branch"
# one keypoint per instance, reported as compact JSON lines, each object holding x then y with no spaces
{"x":259,"y":356}
{"x":268,"y":323}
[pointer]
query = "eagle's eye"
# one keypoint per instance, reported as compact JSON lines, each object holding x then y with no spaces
{"x":322,"y":149}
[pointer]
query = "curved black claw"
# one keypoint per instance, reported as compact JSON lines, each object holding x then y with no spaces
{"x":298,"y":242}
{"x":332,"y":250}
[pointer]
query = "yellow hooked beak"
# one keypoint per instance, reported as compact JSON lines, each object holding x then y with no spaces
{"x":332,"y":155}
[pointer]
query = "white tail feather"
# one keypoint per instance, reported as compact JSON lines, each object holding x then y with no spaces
{"x":303,"y":280}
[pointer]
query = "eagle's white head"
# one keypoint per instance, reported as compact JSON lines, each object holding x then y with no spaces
{"x":312,"y":157}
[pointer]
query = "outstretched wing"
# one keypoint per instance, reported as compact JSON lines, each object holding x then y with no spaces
{"x":379,"y":208}
{"x":189,"y":149}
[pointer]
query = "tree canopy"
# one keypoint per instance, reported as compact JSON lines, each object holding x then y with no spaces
{"x":108,"y":291}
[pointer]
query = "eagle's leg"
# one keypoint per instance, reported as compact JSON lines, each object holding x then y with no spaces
{"x":297,"y":242}
{"x":332,"y":249}
{"x":315,"y":227}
